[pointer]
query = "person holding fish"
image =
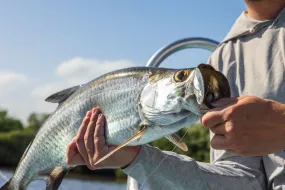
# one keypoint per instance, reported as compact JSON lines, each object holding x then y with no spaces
{"x":247,"y":130}
{"x":239,"y":96}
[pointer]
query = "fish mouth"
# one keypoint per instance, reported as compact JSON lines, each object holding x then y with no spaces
{"x":210,"y":85}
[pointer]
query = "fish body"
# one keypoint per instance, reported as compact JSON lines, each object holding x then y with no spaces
{"x":165,"y":100}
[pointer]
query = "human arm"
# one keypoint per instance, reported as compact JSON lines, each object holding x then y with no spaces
{"x":157,"y":169}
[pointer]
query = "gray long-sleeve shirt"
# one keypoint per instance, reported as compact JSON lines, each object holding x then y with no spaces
{"x":252,"y":57}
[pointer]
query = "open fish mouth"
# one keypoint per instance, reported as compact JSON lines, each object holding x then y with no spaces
{"x":206,"y":86}
{"x":209,"y":86}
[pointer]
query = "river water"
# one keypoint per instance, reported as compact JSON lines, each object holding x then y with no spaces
{"x":70,"y":183}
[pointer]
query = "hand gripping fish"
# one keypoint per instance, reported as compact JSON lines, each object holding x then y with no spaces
{"x":141,"y":104}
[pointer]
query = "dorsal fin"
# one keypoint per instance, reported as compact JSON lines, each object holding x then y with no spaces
{"x":61,"y":95}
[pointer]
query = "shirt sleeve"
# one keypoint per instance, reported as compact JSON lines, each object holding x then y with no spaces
{"x":157,"y":169}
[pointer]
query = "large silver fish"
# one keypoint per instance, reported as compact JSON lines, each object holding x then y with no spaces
{"x":139,"y":103}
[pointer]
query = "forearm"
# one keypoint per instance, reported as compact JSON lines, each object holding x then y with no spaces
{"x":166,"y":170}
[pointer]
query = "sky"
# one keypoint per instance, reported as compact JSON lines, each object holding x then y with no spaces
{"x":47,"y":46}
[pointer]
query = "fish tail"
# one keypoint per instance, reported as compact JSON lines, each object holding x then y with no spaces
{"x":6,"y":186}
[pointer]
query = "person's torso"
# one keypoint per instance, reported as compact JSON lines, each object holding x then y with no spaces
{"x":253,"y":60}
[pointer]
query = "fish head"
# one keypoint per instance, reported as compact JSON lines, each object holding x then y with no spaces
{"x":172,"y":95}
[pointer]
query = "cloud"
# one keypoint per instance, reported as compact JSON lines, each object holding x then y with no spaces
{"x":14,"y":93}
{"x":79,"y":67}
{"x":11,"y":81}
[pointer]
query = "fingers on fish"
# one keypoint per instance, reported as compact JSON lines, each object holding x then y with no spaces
{"x":99,"y":138}
{"x":89,"y":136}
{"x":90,"y":139}
{"x":80,"y":139}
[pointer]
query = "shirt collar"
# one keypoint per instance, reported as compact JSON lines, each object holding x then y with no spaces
{"x":246,"y":25}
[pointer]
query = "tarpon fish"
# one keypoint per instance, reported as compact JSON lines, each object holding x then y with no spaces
{"x":140,"y":104}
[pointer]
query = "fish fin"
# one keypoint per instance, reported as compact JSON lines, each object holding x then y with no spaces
{"x":176,"y":140}
{"x":54,"y":178}
{"x":62,"y":95}
{"x":6,"y":186}
{"x":142,"y":130}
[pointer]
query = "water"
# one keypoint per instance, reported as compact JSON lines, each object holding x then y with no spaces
{"x":70,"y":183}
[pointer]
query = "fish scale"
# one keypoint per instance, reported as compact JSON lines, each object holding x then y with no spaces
{"x":121,"y":116}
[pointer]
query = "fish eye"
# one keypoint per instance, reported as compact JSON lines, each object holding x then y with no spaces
{"x":181,"y":76}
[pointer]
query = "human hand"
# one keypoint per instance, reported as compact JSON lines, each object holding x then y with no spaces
{"x":247,"y":125}
{"x":89,"y":145}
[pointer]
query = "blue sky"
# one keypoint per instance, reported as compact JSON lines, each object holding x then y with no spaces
{"x":43,"y":44}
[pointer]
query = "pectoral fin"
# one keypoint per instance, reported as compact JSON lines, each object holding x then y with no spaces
{"x":137,"y":136}
{"x":176,"y":140}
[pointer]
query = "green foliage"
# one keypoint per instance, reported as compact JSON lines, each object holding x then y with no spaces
{"x":13,"y":145}
{"x":14,"y":138}
{"x":120,"y":174}
{"x":8,"y":123}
